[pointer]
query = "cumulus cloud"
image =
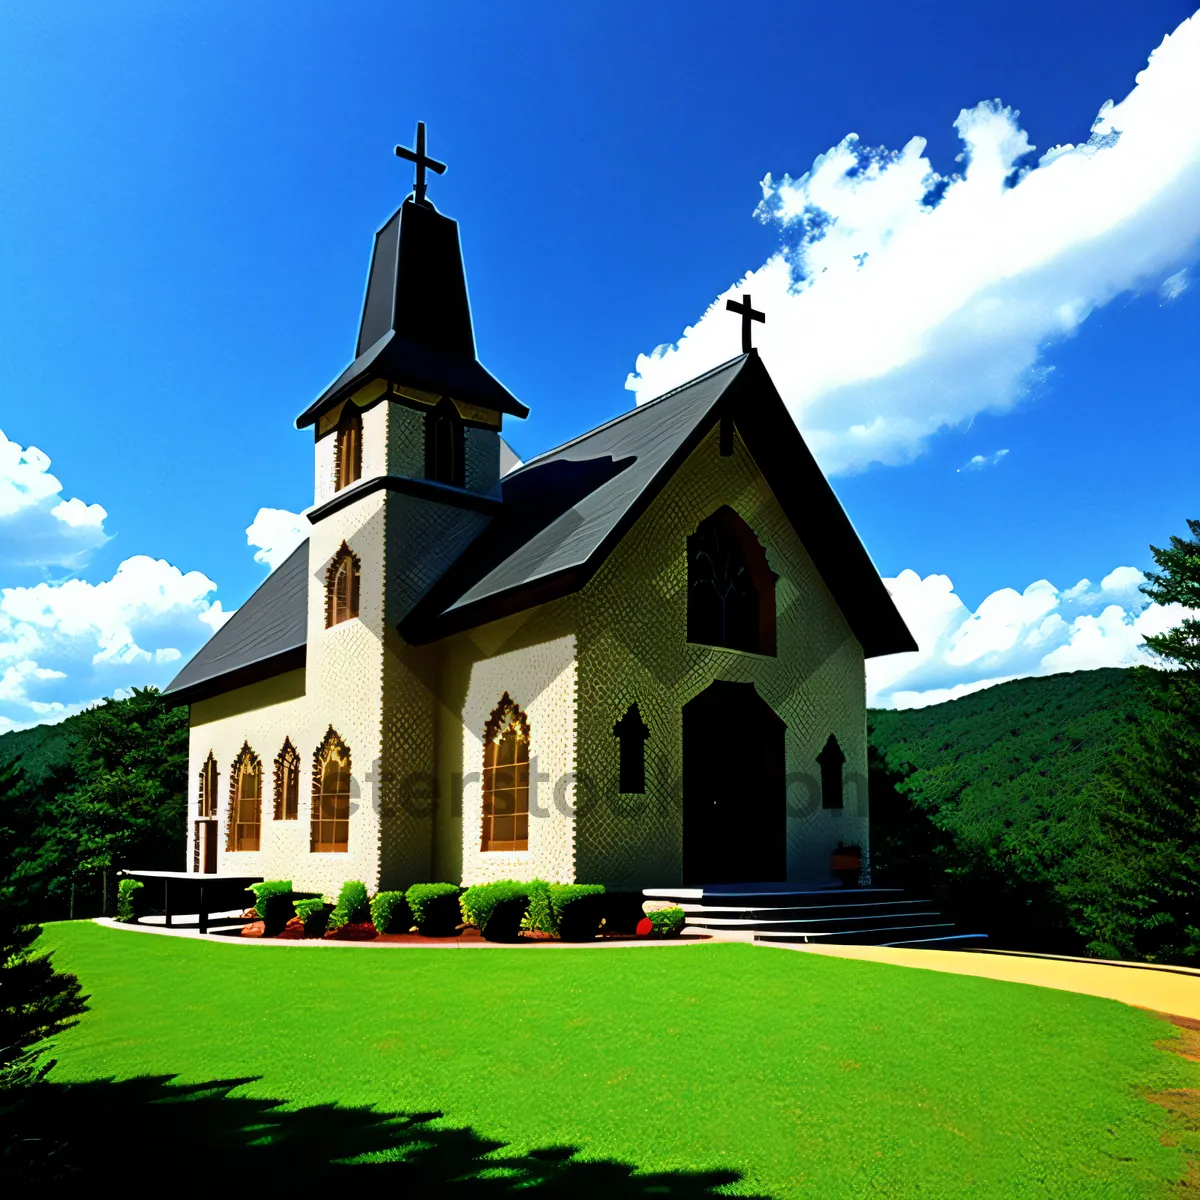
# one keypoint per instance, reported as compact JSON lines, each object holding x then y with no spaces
{"x":979,"y":461}
{"x":904,"y":301}
{"x":38,"y":528}
{"x":1039,"y":631}
{"x":276,"y":532}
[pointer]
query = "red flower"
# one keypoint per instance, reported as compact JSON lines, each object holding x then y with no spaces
{"x":645,"y":926}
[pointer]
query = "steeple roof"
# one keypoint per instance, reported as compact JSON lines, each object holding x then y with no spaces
{"x":416,"y":319}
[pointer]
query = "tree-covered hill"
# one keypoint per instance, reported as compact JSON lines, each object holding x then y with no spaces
{"x":1035,"y":741}
{"x":987,"y":802}
{"x":101,"y":790}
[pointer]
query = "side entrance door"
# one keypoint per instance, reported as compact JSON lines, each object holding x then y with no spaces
{"x":206,"y":847}
{"x":734,"y":802}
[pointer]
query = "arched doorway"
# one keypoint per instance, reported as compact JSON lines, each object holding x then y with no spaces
{"x":734,"y":805}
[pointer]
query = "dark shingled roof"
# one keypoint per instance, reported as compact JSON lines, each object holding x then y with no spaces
{"x":267,"y":635}
{"x":416,"y":319}
{"x":564,"y":511}
{"x":562,"y":514}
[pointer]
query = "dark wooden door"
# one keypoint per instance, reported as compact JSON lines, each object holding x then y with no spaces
{"x":734,"y":803}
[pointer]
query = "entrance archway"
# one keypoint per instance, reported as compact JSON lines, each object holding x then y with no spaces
{"x":734,"y":803}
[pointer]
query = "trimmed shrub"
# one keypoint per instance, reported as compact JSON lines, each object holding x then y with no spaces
{"x":665,"y":922}
{"x":128,"y":907}
{"x":278,"y":908}
{"x":270,"y":887}
{"x":623,"y":911}
{"x":578,"y":909}
{"x":434,"y":908}
{"x":390,"y":913}
{"x":315,"y":915}
{"x":499,"y":909}
{"x":353,"y":907}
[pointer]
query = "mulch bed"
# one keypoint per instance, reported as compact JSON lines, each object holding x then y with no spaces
{"x":294,"y":931}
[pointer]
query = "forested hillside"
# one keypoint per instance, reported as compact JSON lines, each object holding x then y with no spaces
{"x":102,"y":790}
{"x":989,"y":804}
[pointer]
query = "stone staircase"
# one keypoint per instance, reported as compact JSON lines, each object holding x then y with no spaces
{"x":817,"y":913}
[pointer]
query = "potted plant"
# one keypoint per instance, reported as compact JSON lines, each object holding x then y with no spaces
{"x":846,"y":864}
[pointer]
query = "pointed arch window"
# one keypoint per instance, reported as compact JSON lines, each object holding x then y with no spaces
{"x":331,"y":796}
{"x":245,"y":801}
{"x":831,"y":759}
{"x":444,"y":444}
{"x":207,"y":806}
{"x":287,"y":783}
{"x":506,"y":778}
{"x":731,"y":587}
{"x":341,"y":587}
{"x":632,"y":733}
{"x":347,"y":455}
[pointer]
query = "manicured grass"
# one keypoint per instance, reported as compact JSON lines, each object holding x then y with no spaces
{"x":808,"y":1076}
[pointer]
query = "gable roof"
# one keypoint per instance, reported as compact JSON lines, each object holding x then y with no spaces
{"x":264,"y":637}
{"x":564,"y":511}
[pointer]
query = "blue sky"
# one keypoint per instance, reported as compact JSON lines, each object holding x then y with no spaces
{"x":186,"y":214}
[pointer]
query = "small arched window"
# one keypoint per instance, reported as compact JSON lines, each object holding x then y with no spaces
{"x":287,"y":783}
{"x":506,"y":778}
{"x":444,"y":445}
{"x":245,"y":801}
{"x":347,"y":457}
{"x":631,"y":733}
{"x":341,"y":587}
{"x":331,"y":796}
{"x":208,"y":788}
{"x":731,"y":587}
{"x":831,"y":759}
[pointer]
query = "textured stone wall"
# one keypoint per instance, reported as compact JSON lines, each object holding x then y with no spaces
{"x":481,"y":452}
{"x":632,"y":623}
{"x":406,"y":441}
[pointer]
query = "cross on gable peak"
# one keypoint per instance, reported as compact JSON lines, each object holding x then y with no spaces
{"x":748,"y":314}
{"x":422,"y":161}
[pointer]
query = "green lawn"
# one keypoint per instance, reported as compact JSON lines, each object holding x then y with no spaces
{"x":797,"y":1075}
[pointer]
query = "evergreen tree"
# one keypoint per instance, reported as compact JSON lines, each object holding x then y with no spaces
{"x":1139,"y":889}
{"x":36,"y":1001}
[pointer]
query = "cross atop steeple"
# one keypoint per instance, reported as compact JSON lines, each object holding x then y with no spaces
{"x":748,"y":314}
{"x":422,"y":160}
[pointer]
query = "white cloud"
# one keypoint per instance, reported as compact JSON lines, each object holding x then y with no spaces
{"x":979,"y":461}
{"x":1038,"y":631}
{"x":63,"y":644}
{"x":276,"y":532}
{"x":38,"y":527}
{"x":904,"y":301}
{"x":1174,"y":285}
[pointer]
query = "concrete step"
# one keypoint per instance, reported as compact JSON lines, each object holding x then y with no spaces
{"x":953,"y":941}
{"x":879,"y":908}
{"x":876,"y":936}
{"x":816,"y":925}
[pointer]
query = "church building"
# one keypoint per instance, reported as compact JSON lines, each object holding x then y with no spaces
{"x":635,"y":660}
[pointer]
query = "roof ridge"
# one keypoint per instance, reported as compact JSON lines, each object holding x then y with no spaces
{"x":632,"y":412}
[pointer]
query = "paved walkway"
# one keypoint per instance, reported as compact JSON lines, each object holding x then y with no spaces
{"x":1173,"y":990}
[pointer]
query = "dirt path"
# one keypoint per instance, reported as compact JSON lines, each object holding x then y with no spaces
{"x":1173,"y":990}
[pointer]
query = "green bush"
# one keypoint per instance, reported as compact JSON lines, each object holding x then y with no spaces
{"x":667,"y":922}
{"x":434,"y":908}
{"x":390,"y":913}
{"x":271,"y":887}
{"x":128,"y":908}
{"x":353,"y":907}
{"x":577,"y":909}
{"x":499,"y":909}
{"x":278,"y":908}
{"x":314,"y":913}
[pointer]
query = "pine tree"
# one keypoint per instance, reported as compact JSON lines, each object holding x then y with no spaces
{"x":36,"y":1001}
{"x":1141,"y":886}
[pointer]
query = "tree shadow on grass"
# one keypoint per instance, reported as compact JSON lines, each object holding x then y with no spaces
{"x":198,"y":1140}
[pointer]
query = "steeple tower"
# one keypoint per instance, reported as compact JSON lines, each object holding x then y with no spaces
{"x":416,"y":330}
